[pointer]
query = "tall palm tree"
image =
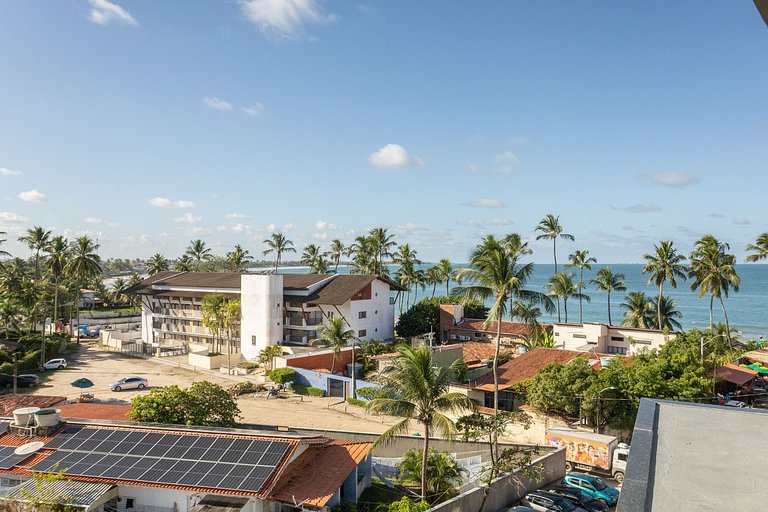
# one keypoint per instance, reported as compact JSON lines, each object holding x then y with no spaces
{"x":445,"y":269}
{"x":607,"y":281}
{"x":513,"y":242}
{"x":550,"y":228}
{"x":118,"y":291}
{"x":581,"y":260}
{"x":669,"y":313}
{"x":336,"y":252}
{"x":213,"y":312}
{"x":335,"y":334}
{"x":198,"y":251}
{"x":432,"y":276}
{"x":364,"y":256}
{"x":184,"y":264}
{"x":84,"y":264}
{"x":238,"y":259}
{"x":420,"y":389}
{"x":562,"y":286}
{"x":278,"y":244}
{"x":665,"y":264}
{"x":712,"y":271}
{"x":2,"y":241}
{"x":158,"y":263}
{"x":759,"y":248}
{"x":37,"y":240}
{"x":382,"y":243}
{"x":639,"y":311}
{"x":314,"y":258}
{"x":56,"y":263}
{"x":230,"y":321}
{"x":408,"y":275}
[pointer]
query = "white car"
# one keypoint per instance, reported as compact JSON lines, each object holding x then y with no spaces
{"x":129,"y":383}
{"x":55,"y":364}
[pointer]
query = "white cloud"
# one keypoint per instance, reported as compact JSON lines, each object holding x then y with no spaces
{"x":254,"y":110}
{"x":284,"y":19}
{"x":507,"y":156}
{"x":198,"y":231}
{"x":188,"y":217}
{"x":469,"y":222}
{"x":32,"y":196}
{"x":393,"y":156}
{"x":164,"y":202}
{"x":673,"y":179}
{"x":92,"y":220}
{"x":235,"y":216}
{"x":11,"y":217}
{"x":288,"y":227}
{"x":741,"y":221}
{"x":499,"y":222}
{"x":271,"y":227}
{"x":103,"y":12}
{"x":485,"y":203}
{"x":113,"y":224}
{"x":322,"y":225}
{"x":217,"y":104}
{"x":238,"y":229}
{"x":4,"y":171}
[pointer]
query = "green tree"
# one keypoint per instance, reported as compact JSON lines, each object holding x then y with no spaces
{"x":37,"y":239}
{"x":669,"y":313}
{"x":408,"y":275}
{"x":279,"y":245}
{"x":559,"y":388}
{"x":198,"y":251}
{"x":184,"y":264}
{"x":433,"y":276}
{"x":56,"y":264}
{"x":315,"y":258}
{"x":561,"y":285}
{"x":157,"y":263}
{"x":335,"y":334}
{"x":424,"y":316}
{"x":420,"y":390}
{"x":581,"y":260}
{"x":364,"y":256}
{"x":712,"y":272}
{"x":2,"y":241}
{"x":230,"y":324}
{"x":639,"y":311}
{"x":405,"y":504}
{"x":445,"y":270}
{"x":213,"y":311}
{"x":665,"y":264}
{"x":443,"y":473}
{"x":607,"y":281}
{"x":382,"y":242}
{"x":337,"y":251}
{"x":239,"y":259}
{"x":83,"y":264}
{"x":203,"y":403}
{"x":268,"y":354}
{"x":551,"y":228}
{"x":759,"y":249}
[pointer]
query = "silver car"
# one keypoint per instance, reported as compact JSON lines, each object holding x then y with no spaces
{"x":129,"y":383}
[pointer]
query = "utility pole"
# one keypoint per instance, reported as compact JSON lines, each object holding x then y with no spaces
{"x":15,"y":370}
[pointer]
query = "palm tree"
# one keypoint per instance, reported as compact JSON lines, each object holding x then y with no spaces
{"x":408,"y":275}
{"x":382,"y":242}
{"x":363,"y":256}
{"x":213,"y":310}
{"x":561,"y":285}
{"x":446,"y":271}
{"x":184,"y":264}
{"x":158,"y":263}
{"x":84,"y":264}
{"x":278,"y":244}
{"x":513,"y":242}
{"x":336,"y":335}
{"x":713,"y":272}
{"x":238,"y":259}
{"x":607,"y":281}
{"x":313,"y":257}
{"x":198,"y":252}
{"x":230,"y":320}
{"x":581,"y":260}
{"x":433,"y":276}
{"x":9,"y":311}
{"x":421,"y":393}
{"x":759,"y":248}
{"x":56,"y":263}
{"x":550,"y":228}
{"x":268,"y":355}
{"x":135,"y":300}
{"x":337,"y":251}
{"x":37,"y":240}
{"x":664,"y":265}
{"x":669,"y":313}
{"x":2,"y":241}
{"x":639,"y":311}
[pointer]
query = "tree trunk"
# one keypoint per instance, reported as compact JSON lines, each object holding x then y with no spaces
{"x":55,"y":302}
{"x":434,"y":287}
{"x":333,"y":362}
{"x":495,"y":368}
{"x":229,"y":352}
{"x":447,"y":293}
{"x":354,"y":371}
{"x":558,"y":309}
{"x":565,"y":307}
{"x":711,"y":303}
{"x":77,"y":305}
{"x":424,"y":460}
{"x":658,"y":306}
{"x":277,"y":261}
{"x":554,"y":252}
{"x":581,"y":287}
{"x":609,"y":307}
{"x":727,"y":324}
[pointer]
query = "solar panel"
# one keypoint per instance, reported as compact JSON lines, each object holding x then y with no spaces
{"x":4,"y":426}
{"x":8,"y":458}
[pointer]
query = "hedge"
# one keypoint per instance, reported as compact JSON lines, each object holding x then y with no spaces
{"x":355,"y":401}
{"x":282,"y":375}
{"x":301,"y":389}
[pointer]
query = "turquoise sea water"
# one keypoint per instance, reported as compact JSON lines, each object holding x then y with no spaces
{"x":747,"y":309}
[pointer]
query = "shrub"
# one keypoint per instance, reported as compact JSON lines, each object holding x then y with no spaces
{"x":301,"y":389}
{"x":203,"y":403}
{"x":282,"y":375}
{"x":371,"y":392}
{"x":424,"y":316}
{"x":315,"y":391}
{"x":243,"y":388}
{"x":355,"y":401}
{"x":249,"y":365}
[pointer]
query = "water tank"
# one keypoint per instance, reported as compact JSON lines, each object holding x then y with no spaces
{"x":523,"y":349}
{"x":23,"y":417}
{"x":47,"y":417}
{"x":605,"y":361}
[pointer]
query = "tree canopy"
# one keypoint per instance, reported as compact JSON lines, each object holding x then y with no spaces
{"x":424,"y":316}
{"x":203,"y":403}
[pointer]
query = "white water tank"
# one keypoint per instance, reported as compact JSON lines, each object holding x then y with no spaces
{"x":23,"y":416}
{"x":47,"y":417}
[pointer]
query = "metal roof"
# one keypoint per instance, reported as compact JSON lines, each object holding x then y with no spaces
{"x":70,"y":492}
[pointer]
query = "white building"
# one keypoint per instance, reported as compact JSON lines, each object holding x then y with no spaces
{"x":607,"y":339}
{"x":275,"y":308}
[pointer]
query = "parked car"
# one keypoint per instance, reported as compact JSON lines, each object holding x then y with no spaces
{"x":31,"y":378}
{"x":520,"y":508}
{"x":22,"y":381}
{"x":594,"y":486}
{"x":55,"y":364}
{"x":579,"y":497}
{"x":546,"y":502}
{"x":129,"y":383}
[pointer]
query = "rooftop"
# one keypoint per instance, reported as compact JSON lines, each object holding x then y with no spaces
{"x":507,"y":328}
{"x":525,"y":366}
{"x":95,"y":411}
{"x":11,"y":402}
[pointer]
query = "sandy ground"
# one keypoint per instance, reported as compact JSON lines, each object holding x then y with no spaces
{"x":103,"y":367}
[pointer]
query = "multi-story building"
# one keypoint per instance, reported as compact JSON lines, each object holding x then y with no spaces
{"x":275,"y":308}
{"x":607,"y":339}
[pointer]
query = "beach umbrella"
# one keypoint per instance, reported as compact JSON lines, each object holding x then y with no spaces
{"x":82,"y":383}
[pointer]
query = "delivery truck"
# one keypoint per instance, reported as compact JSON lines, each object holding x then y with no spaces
{"x":595,"y":453}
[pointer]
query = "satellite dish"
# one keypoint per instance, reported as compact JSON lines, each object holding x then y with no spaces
{"x":29,"y":448}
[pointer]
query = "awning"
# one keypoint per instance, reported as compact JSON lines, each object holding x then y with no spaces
{"x":83,"y":495}
{"x":213,"y":503}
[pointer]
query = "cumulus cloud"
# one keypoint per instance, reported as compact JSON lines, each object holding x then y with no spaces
{"x":198,"y":231}
{"x":235,"y":216}
{"x":507,"y":156}
{"x":12,"y":218}
{"x":237,"y":229}
{"x":485,"y":203}
{"x":188,"y":217}
{"x":393,"y":156}
{"x":104,"y":12}
{"x":254,"y":110}
{"x":284,"y":19}
{"x":92,"y":220}
{"x":271,"y":227}
{"x":32,"y":196}
{"x":164,"y":202}
{"x":674,"y":179}
{"x":217,"y":104}
{"x":741,"y":221}
{"x":4,"y":171}
{"x":322,"y":225}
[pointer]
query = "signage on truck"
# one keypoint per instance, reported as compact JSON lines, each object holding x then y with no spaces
{"x":581,"y":451}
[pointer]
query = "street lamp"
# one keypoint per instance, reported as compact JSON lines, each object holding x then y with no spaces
{"x":599,"y":402}
{"x":711,"y":338}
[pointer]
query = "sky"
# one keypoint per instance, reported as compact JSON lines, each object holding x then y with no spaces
{"x":146,"y":124}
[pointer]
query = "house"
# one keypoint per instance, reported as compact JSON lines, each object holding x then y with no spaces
{"x":116,"y":466}
{"x":607,"y":339}
{"x":454,"y":328}
{"x":275,"y":308}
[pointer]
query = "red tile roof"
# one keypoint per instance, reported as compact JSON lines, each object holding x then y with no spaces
{"x":735,"y":374}
{"x":507,"y":328}
{"x":476,"y":351}
{"x":91,"y":411}
{"x":11,"y":402}
{"x":525,"y":366}
{"x":14,"y":440}
{"x":315,"y":476}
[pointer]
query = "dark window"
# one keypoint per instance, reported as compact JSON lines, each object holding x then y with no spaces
{"x":617,"y":338}
{"x":130,"y":503}
{"x":478,"y":335}
{"x":642,"y":342}
{"x":362,"y":314}
{"x":580,"y":336}
{"x":622,"y":456}
{"x":361,"y":333}
{"x":253,"y":340}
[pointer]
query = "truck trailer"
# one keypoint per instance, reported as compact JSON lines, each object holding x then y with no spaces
{"x":595,"y":453}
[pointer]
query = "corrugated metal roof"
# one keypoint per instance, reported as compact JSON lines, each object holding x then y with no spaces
{"x":64,"y":492}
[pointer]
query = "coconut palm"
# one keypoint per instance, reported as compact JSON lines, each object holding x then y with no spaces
{"x":420,"y":389}
{"x":268,"y":355}
{"x":184,"y":264}
{"x":561,"y":285}
{"x":664,"y":265}
{"x":213,"y":312}
{"x":581,"y":260}
{"x":669,"y":313}
{"x":550,"y":228}
{"x":336,"y":252}
{"x":118,"y":291}
{"x":56,"y":263}
{"x":336,"y":334}
{"x":2,"y":241}
{"x":198,"y":251}
{"x":712,"y":272}
{"x":446,"y":271}
{"x":759,"y":248}
{"x":84,"y":264}
{"x":382,"y":242}
{"x":9,"y":312}
{"x":279,"y":245}
{"x":238,"y":259}
{"x":158,"y":263}
{"x":313,"y":257}
{"x":433,"y":276}
{"x":363,"y":256}
{"x":230,"y":321}
{"x":607,"y":281}
{"x":639,"y":311}
{"x":408,"y":275}
{"x":513,"y":242}
{"x":37,"y":240}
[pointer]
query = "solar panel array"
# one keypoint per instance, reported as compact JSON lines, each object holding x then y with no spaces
{"x":182,"y":459}
{"x":4,"y":426}
{"x":8,"y":459}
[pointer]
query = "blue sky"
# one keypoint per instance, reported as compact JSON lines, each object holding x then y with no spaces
{"x":151,"y":123}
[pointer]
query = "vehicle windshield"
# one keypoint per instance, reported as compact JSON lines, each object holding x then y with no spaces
{"x":566,"y":506}
{"x":598,"y":484}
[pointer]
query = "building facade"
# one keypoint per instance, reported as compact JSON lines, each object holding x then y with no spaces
{"x":607,"y":339}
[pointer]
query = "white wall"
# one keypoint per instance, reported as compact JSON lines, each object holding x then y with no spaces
{"x":261,"y":303}
{"x":380,"y":314}
{"x":599,"y":338}
{"x":182,"y":500}
{"x":146,"y":321}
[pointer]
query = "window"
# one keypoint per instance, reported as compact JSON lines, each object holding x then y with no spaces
{"x":642,"y":342}
{"x":617,"y":338}
{"x":580,"y":336}
{"x":362,"y":314}
{"x":557,"y":333}
{"x":617,"y":350}
{"x":330,"y":314}
{"x":130,"y":503}
{"x":621,"y":456}
{"x":253,"y":340}
{"x":361,"y":333}
{"x":478,"y":335}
